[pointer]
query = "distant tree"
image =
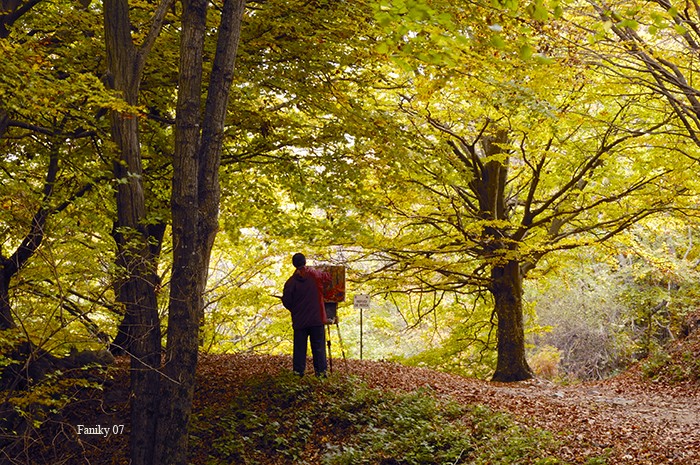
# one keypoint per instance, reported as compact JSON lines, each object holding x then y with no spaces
{"x":518,"y":150}
{"x":653,"y":46}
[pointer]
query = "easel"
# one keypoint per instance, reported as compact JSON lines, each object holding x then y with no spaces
{"x":332,"y":313}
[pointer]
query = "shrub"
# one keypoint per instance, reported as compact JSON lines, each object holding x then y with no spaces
{"x":586,"y":321}
{"x":545,"y":362}
{"x":341,"y":421}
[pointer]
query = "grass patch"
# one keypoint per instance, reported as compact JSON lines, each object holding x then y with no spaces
{"x":339,"y":421}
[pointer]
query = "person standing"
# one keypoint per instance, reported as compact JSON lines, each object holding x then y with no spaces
{"x":303,"y":297}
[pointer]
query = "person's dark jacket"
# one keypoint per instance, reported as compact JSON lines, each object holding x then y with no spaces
{"x":302,"y":296}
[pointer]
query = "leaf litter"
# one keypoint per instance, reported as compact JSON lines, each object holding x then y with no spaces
{"x":627,"y":419}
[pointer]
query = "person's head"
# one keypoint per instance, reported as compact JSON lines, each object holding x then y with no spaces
{"x":298,"y":260}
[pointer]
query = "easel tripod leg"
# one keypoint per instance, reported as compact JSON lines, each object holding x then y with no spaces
{"x":328,"y":343}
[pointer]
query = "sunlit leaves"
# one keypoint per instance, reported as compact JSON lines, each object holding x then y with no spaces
{"x":54,"y":69}
{"x":442,"y":33}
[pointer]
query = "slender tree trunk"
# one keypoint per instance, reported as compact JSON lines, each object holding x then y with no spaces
{"x":507,"y":292}
{"x":4,"y":121}
{"x":9,"y":267}
{"x":6,"y":320}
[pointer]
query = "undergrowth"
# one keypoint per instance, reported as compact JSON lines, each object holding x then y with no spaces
{"x":340,"y":421}
{"x":680,"y":365}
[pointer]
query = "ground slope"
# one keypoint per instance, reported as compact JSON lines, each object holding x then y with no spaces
{"x":628,"y":418}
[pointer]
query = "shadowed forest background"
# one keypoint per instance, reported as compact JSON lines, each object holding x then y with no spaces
{"x":513,"y":183}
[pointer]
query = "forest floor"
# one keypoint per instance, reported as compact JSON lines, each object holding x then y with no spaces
{"x":627,"y":419}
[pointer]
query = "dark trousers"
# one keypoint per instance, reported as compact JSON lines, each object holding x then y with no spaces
{"x":317,"y":336}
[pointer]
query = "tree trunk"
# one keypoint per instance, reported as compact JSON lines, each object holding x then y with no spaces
{"x":6,"y":320}
{"x":506,"y":279}
{"x":137,"y":290}
{"x":194,"y":205}
{"x":30,"y":244}
{"x":4,"y":121}
{"x":185,"y":285}
{"x":127,"y":331}
{"x":507,"y":293}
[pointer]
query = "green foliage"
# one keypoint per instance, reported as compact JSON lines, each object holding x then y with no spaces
{"x":411,"y":429}
{"x":458,"y":338}
{"x":657,"y":264}
{"x":348,"y":423}
{"x":654,"y":364}
{"x":32,"y":390}
{"x":51,"y":76}
{"x":578,"y":163}
{"x":676,"y":363}
{"x":242,"y":309}
{"x":53,"y":96}
{"x":622,"y":302}
{"x":9,"y":340}
{"x":436,"y":32}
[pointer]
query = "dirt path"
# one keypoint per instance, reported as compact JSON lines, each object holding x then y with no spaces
{"x":634,"y":423}
{"x":627,"y":419}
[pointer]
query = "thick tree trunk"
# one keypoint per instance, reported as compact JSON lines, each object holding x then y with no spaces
{"x":185,"y":285}
{"x":127,"y":331}
{"x":195,"y":205}
{"x":489,"y":186}
{"x":507,"y":293}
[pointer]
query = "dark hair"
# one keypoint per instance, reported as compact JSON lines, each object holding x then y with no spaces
{"x":298,"y":260}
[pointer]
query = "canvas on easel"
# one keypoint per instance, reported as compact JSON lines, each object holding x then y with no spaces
{"x":333,"y":291}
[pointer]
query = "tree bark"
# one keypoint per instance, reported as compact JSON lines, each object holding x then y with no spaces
{"x":6,"y":319}
{"x":506,"y":279}
{"x":507,"y":292}
{"x":4,"y":121}
{"x":194,"y":206}
{"x":127,"y":331}
{"x":137,"y":290}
